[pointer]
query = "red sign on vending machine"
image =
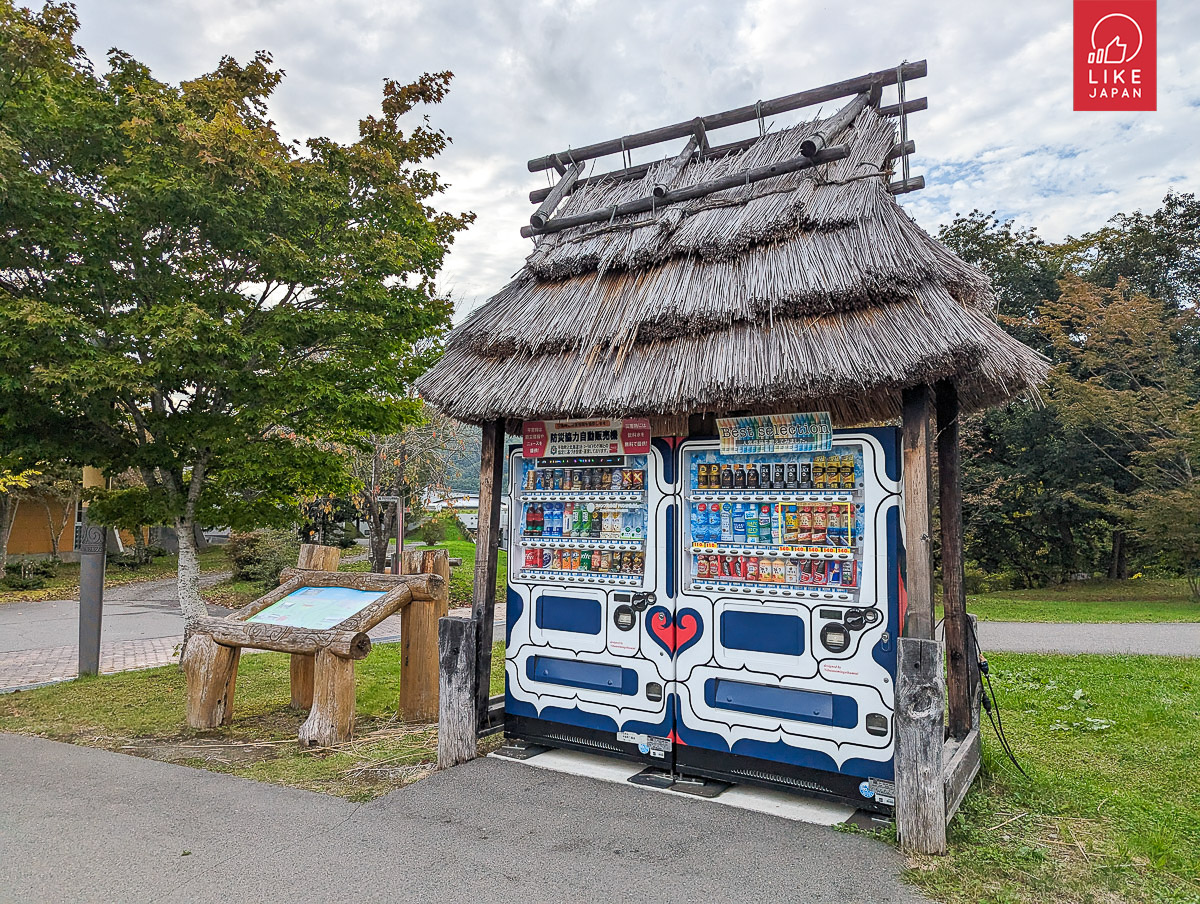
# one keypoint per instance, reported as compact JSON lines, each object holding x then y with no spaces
{"x":590,"y":437}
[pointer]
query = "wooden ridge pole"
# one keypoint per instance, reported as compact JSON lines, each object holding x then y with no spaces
{"x":830,"y":127}
{"x":676,"y":166}
{"x":487,"y":549}
{"x":733,"y":180}
{"x":748,"y":113}
{"x":918,"y":511}
{"x":954,"y":599}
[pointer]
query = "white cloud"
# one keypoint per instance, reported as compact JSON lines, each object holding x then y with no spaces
{"x":534,"y":77}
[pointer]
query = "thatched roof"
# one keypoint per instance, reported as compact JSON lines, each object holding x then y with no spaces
{"x":810,"y":290}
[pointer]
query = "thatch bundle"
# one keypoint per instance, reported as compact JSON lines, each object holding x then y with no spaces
{"x":810,"y":290}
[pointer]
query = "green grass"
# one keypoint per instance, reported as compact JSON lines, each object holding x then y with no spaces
{"x":66,"y":584}
{"x":1138,"y":600}
{"x":142,"y":713}
{"x":1111,"y":744}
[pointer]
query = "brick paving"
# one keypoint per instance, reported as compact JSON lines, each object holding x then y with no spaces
{"x":29,"y":667}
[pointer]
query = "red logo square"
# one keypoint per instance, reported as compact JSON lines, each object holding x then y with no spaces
{"x":1116,"y":55}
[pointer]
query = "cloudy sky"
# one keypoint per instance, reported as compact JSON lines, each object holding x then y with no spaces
{"x":534,"y":76}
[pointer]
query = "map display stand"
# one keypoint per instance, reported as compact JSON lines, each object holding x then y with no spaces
{"x":322,"y":619}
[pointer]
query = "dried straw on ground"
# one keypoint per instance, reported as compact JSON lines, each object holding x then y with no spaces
{"x":810,"y":290}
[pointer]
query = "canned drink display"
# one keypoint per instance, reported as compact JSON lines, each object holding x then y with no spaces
{"x":701,"y":568}
{"x":791,"y":524}
{"x":539,"y":479}
{"x":726,"y":563}
{"x":792,"y":572}
{"x":833,"y":574}
{"x":804,"y":526}
{"x":752,"y":568}
{"x":764,"y":476}
{"x":793,"y":479}
{"x":605,"y":479}
{"x":806,"y":475}
{"x":820,"y":524}
{"x":576,"y":558}
{"x":557,"y":479}
{"x":605,"y":562}
{"x":702,"y":476}
{"x":639,"y":563}
{"x":778,"y":481}
{"x":738,"y":567}
{"x":585,"y":560}
{"x":806,"y":571}
{"x":616,"y":479}
{"x":547,"y":558}
{"x":818,"y":572}
{"x":531,"y":479}
{"x":714,"y":566}
{"x":556,"y":560}
{"x":818,"y":472}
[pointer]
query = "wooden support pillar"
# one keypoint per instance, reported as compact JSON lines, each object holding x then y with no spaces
{"x":920,"y":731}
{"x":331,"y":720}
{"x":211,"y":672}
{"x":458,"y":738}
{"x":419,"y":637}
{"x":487,"y":548}
{"x":312,"y":558}
{"x":954,"y":599}
{"x":918,"y":508}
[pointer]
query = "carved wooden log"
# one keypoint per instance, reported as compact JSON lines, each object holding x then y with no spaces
{"x":302,"y":667}
{"x":331,"y":720}
{"x":318,"y":558}
{"x":210,"y":671}
{"x":457,"y":737}
{"x":419,"y":639}
{"x":370,"y":616}
{"x":920,"y":732}
{"x":284,"y":638}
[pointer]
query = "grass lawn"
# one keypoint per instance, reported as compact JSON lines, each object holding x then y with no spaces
{"x":142,"y":713}
{"x":1111,"y":744}
{"x":66,"y":584}
{"x":1140,"y":600}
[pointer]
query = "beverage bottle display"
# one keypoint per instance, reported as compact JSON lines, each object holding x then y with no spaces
{"x":701,"y":567}
{"x":585,"y":560}
{"x":752,"y":476}
{"x":568,"y":525}
{"x":726,"y":477}
{"x":805,"y":525}
{"x":833,"y":575}
{"x":700,"y":481}
{"x":818,"y":472}
{"x":793,"y":481}
{"x":834,"y":529}
{"x":778,"y":481}
{"x":739,"y":523}
{"x":699,"y":523}
{"x":806,"y":475}
{"x":577,"y":528}
{"x":738,"y":566}
{"x":791,"y":525}
{"x":820,"y":524}
{"x":726,"y":522}
{"x":752,"y":568}
{"x":739,"y":478}
{"x":714,"y":523}
{"x":766,"y":527}
{"x":792,"y":572}
{"x":752,"y":523}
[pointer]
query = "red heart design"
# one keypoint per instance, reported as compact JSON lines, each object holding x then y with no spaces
{"x":688,"y":626}
{"x":664,"y":629}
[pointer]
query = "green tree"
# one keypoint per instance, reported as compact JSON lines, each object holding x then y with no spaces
{"x":215,"y":306}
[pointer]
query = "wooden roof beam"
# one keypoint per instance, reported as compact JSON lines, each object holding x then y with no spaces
{"x":915,"y":105}
{"x":902,"y":186}
{"x":676,"y":167}
{"x":833,"y":125}
{"x":565,"y":184}
{"x":641,"y":205}
{"x":824,"y":94}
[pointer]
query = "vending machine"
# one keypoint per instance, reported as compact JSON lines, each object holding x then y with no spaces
{"x":741,"y":622}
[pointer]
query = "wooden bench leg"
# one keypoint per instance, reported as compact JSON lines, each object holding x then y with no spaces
{"x":331,"y":720}
{"x":302,"y":680}
{"x":210,"y":670}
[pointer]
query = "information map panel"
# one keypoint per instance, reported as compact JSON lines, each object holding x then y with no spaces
{"x":316,"y":608}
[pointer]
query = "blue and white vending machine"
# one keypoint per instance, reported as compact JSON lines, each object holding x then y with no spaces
{"x":734,"y":617}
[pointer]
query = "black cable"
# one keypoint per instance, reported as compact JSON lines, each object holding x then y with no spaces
{"x":998,"y":721}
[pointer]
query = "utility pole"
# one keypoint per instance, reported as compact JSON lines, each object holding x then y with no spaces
{"x":93,"y":550}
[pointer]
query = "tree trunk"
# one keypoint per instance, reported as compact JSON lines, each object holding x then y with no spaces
{"x":379,"y":522}
{"x":8,"y":514}
{"x":188,"y":582}
{"x":1116,"y":564}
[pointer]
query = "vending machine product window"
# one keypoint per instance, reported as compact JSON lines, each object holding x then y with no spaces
{"x":583,"y":520}
{"x":776,"y":525}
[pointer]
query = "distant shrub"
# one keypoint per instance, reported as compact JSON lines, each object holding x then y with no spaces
{"x":261,"y":555}
{"x":155,"y":552}
{"x":433,"y":531}
{"x":20,"y":582}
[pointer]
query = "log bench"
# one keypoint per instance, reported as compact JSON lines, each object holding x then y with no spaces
{"x":322,"y":666}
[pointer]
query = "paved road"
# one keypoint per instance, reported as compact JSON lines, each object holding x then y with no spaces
{"x":80,"y":824}
{"x":1173,"y":639}
{"x":131,"y":612}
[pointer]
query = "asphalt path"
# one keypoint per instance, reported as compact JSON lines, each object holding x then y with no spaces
{"x":79,"y":824}
{"x":1169,"y":639}
{"x":131,"y":612}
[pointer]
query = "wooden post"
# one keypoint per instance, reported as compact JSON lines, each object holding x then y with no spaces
{"x":312,"y":558}
{"x":457,"y":729}
{"x":419,"y":637}
{"x":331,"y":720}
{"x":920,"y":729}
{"x":318,"y":558}
{"x":487,"y":548}
{"x":918,"y":518}
{"x":211,"y":673}
{"x":954,"y":599}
